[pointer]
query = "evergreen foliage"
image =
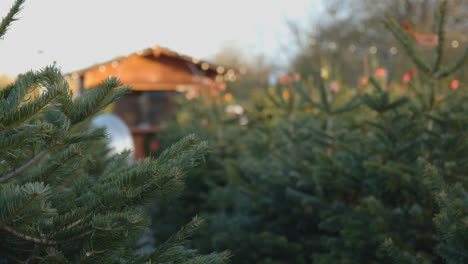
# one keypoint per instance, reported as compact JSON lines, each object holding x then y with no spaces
{"x":334,"y":176}
{"x":223,"y":133}
{"x":63,"y":198}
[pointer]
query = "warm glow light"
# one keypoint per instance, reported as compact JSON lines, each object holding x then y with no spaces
{"x":324,"y":73}
{"x":373,"y":50}
{"x":205,"y":66}
{"x":102,"y":68}
{"x":220,"y":69}
{"x":222,"y":86}
{"x":115,"y":64}
{"x":195,"y":61}
{"x":191,"y":94}
{"x":393,"y":50}
{"x":455,"y":44}
{"x":335,"y":86}
{"x":232,"y":78}
{"x":228,"y":97}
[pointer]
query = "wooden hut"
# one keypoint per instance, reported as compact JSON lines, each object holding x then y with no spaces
{"x":155,"y":74}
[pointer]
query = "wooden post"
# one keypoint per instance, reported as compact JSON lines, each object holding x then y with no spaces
{"x":81,"y":88}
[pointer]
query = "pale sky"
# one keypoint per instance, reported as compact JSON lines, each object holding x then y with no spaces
{"x":79,"y":33}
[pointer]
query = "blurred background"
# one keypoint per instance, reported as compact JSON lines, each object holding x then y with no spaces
{"x":229,"y":71}
{"x":164,"y":48}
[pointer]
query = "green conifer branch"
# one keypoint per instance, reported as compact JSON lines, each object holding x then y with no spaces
{"x":55,"y":256}
{"x":457,"y":64}
{"x":323,"y":92}
{"x":408,"y":45}
{"x":178,"y":238}
{"x":441,"y":36}
{"x":10,"y":17}
{"x":97,"y":99}
{"x":18,"y":211}
{"x":35,"y":240}
{"x":25,"y":112}
{"x":61,"y":161}
{"x":12,"y":141}
{"x":306,"y":96}
{"x":27,"y":165}
{"x":13,"y":95}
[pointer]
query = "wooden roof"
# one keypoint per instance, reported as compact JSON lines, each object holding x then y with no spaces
{"x":152,"y":69}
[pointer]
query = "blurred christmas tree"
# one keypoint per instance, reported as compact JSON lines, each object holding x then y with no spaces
{"x":334,"y":177}
{"x":63,"y":199}
{"x":219,"y":121}
{"x":350,"y":183}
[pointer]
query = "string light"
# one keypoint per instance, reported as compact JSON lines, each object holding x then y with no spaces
{"x":205,"y":66}
{"x":230,"y":75}
{"x":373,"y":49}
{"x":195,"y":60}
{"x":393,"y":50}
{"x":115,"y":64}
{"x":220,"y":69}
{"x":102,"y":68}
{"x":455,"y":44}
{"x":324,"y":73}
{"x":227,"y":97}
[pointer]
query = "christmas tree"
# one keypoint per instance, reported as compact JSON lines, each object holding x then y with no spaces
{"x":211,"y":182}
{"x":343,"y":176}
{"x":63,"y":198}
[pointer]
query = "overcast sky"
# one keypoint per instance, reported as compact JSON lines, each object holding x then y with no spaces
{"x":77,"y":34}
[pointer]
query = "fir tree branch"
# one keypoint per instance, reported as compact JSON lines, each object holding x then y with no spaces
{"x":390,"y":128}
{"x":34,"y":196}
{"x":408,"y":45}
{"x":46,"y":176}
{"x":76,"y":237}
{"x":6,"y":148}
{"x":70,"y":181}
{"x":41,"y":241}
{"x":440,"y":33}
{"x":454,"y":66}
{"x":26,"y":166}
{"x":28,"y":111}
{"x":65,"y":109}
{"x":178,"y":238}
{"x":10,"y":17}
